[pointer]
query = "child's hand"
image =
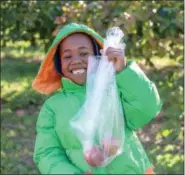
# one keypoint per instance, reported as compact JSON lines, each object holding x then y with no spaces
{"x":117,"y":56}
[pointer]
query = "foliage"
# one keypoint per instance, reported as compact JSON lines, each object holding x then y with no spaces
{"x":151,"y":27}
{"x":28,"y":20}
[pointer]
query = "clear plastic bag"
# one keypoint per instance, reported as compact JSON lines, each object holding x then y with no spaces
{"x":99,"y":124}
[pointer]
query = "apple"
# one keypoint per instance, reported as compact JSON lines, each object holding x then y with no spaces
{"x":94,"y":156}
{"x":110,"y":146}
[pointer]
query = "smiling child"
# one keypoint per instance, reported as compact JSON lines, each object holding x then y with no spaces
{"x":57,"y":149}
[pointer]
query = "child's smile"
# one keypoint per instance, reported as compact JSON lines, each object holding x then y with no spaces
{"x":75,"y":50}
{"x":78,"y":71}
{"x":78,"y":67}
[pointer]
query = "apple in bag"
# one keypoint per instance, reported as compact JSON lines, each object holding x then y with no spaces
{"x":94,"y":156}
{"x":110,"y":146}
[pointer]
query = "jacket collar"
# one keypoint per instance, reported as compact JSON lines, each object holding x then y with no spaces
{"x":68,"y":85}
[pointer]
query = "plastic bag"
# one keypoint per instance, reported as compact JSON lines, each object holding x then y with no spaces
{"x":99,"y":124}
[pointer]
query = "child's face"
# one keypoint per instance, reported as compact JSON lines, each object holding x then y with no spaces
{"x":74,"y":51}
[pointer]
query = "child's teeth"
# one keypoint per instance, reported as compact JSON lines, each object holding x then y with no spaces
{"x":78,"y":71}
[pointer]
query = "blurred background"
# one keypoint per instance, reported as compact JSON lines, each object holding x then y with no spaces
{"x":154,"y":37}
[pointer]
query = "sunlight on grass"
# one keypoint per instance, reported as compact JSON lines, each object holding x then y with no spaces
{"x":5,"y":111}
{"x":163,"y":62}
{"x":166,"y":132}
{"x":169,"y":148}
{"x":3,"y":154}
{"x":15,"y":87}
{"x":18,"y":44}
{"x":160,"y":62}
{"x":169,"y":159}
{"x":181,"y":135}
{"x":23,"y":53}
{"x":11,"y":133}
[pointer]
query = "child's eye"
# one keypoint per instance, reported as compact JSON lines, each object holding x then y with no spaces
{"x":67,"y":57}
{"x":84,"y":54}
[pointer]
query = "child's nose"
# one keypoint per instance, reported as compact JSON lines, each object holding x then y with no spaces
{"x":76,"y":61}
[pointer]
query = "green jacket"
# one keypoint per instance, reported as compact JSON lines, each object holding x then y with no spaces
{"x":57,"y":149}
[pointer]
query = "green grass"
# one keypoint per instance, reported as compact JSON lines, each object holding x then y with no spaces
{"x":19,"y":110}
{"x":165,"y":146}
{"x":22,"y":53}
{"x":162,"y":138}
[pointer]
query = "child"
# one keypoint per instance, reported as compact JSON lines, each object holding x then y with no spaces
{"x":57,"y":149}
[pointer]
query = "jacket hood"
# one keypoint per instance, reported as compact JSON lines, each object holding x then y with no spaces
{"x":48,"y":79}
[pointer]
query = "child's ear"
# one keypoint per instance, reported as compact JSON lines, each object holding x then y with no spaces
{"x":101,"y":51}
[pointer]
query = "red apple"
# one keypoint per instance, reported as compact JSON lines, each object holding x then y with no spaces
{"x":94,"y":156}
{"x":110,"y":146}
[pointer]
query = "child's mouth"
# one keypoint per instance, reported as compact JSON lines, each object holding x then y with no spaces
{"x":78,"y":71}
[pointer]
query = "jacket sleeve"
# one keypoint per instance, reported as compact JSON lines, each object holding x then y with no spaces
{"x":49,"y":155}
{"x":139,"y":96}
